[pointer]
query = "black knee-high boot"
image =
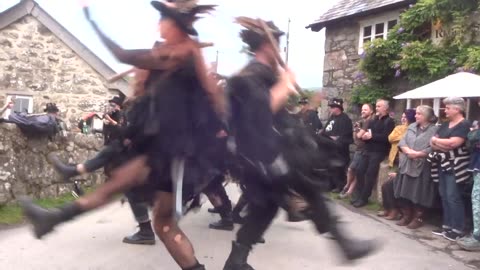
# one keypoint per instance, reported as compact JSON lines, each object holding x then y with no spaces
{"x":237,"y":260}
{"x":226,"y":221}
{"x":66,"y":170}
{"x":44,"y":220}
{"x":324,"y":221}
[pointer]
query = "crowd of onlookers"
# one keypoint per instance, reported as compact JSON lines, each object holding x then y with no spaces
{"x":431,"y":164}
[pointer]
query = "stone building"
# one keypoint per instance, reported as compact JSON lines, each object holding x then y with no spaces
{"x":42,"y":62}
{"x":349,"y":24}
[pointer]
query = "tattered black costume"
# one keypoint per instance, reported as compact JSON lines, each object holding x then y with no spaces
{"x":278,"y":155}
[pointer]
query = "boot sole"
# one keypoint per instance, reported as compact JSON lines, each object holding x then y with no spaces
{"x":222,"y":228}
{"x":140,"y":242}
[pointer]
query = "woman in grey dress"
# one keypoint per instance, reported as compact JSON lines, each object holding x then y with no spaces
{"x":414,"y":189}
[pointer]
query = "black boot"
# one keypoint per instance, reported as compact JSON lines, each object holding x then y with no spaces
{"x":213,"y":210}
{"x":353,"y":249}
{"x":144,"y":236}
{"x":296,"y":216}
{"x":225,"y":224}
{"x":44,"y":220}
{"x":238,"y":219}
{"x":67,"y":171}
{"x":237,"y":260}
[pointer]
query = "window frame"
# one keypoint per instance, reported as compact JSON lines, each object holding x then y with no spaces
{"x":16,"y":96}
{"x":373,"y":22}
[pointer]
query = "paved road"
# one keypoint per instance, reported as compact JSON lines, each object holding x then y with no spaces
{"x":94,"y":242}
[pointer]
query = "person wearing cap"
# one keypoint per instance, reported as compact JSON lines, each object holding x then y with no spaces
{"x":172,"y":128}
{"x":113,"y":120}
{"x":339,"y":128}
{"x":274,"y":149}
{"x":309,"y":116}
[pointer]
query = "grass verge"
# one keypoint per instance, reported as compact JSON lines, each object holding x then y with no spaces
{"x":11,"y":214}
{"x":371,"y":206}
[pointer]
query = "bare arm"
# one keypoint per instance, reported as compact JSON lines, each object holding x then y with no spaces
{"x":447,"y":144}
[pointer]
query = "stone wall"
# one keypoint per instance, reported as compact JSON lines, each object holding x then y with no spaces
{"x":33,"y":61}
{"x":24,"y":168}
{"x":341,"y":60}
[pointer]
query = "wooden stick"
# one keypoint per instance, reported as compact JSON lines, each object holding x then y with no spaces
{"x":277,"y":51}
{"x":119,"y":76}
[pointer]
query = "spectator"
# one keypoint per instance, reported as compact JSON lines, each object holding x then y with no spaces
{"x":408,"y":117}
{"x":340,"y":129}
{"x":8,"y":105}
{"x":366,"y":114}
{"x":450,"y":161}
{"x":390,"y":210}
{"x":414,"y":189}
{"x":113,"y":120}
{"x":376,"y":150}
{"x":309,"y":117}
{"x":472,"y":243}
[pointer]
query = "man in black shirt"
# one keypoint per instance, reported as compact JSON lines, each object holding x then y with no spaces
{"x":377,"y":148}
{"x":113,"y":120}
{"x":340,"y":129}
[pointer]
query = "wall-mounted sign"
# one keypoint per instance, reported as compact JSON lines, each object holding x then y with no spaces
{"x":441,"y":31}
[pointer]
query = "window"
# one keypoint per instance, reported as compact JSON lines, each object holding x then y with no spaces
{"x":22,"y":104}
{"x":376,"y":28}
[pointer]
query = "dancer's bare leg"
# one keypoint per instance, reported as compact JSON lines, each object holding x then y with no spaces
{"x":167,"y":230}
{"x":133,"y":173}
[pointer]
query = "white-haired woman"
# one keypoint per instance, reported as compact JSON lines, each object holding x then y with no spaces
{"x":414,"y":190}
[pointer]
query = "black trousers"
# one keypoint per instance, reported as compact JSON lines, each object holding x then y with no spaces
{"x":262,"y":212}
{"x":217,"y":189}
{"x":105,"y":156}
{"x":367,"y":174}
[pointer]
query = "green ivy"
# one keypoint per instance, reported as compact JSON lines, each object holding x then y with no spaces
{"x":425,"y":62}
{"x":409,"y":53}
{"x":369,"y":93}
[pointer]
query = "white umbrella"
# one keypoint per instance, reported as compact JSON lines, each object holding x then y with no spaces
{"x":462,"y":84}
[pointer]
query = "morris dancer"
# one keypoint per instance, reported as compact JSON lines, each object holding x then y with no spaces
{"x":174,"y":129}
{"x":277,"y":154}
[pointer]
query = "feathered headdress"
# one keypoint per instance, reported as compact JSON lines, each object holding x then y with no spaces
{"x":255,"y":31}
{"x":184,"y":12}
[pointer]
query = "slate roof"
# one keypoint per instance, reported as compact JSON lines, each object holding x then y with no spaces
{"x":352,"y":8}
{"x":31,"y":8}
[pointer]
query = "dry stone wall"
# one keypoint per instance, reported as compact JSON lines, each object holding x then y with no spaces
{"x":24,"y":169}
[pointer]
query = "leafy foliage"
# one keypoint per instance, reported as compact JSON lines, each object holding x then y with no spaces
{"x":369,"y":93}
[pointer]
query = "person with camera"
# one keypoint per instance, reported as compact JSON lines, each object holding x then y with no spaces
{"x":113,"y":120}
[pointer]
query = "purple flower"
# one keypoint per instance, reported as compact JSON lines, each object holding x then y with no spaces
{"x":398,"y":73}
{"x":400,"y":30}
{"x":359,"y":76}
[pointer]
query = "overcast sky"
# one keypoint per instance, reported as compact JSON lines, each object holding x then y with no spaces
{"x":133,"y":24}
